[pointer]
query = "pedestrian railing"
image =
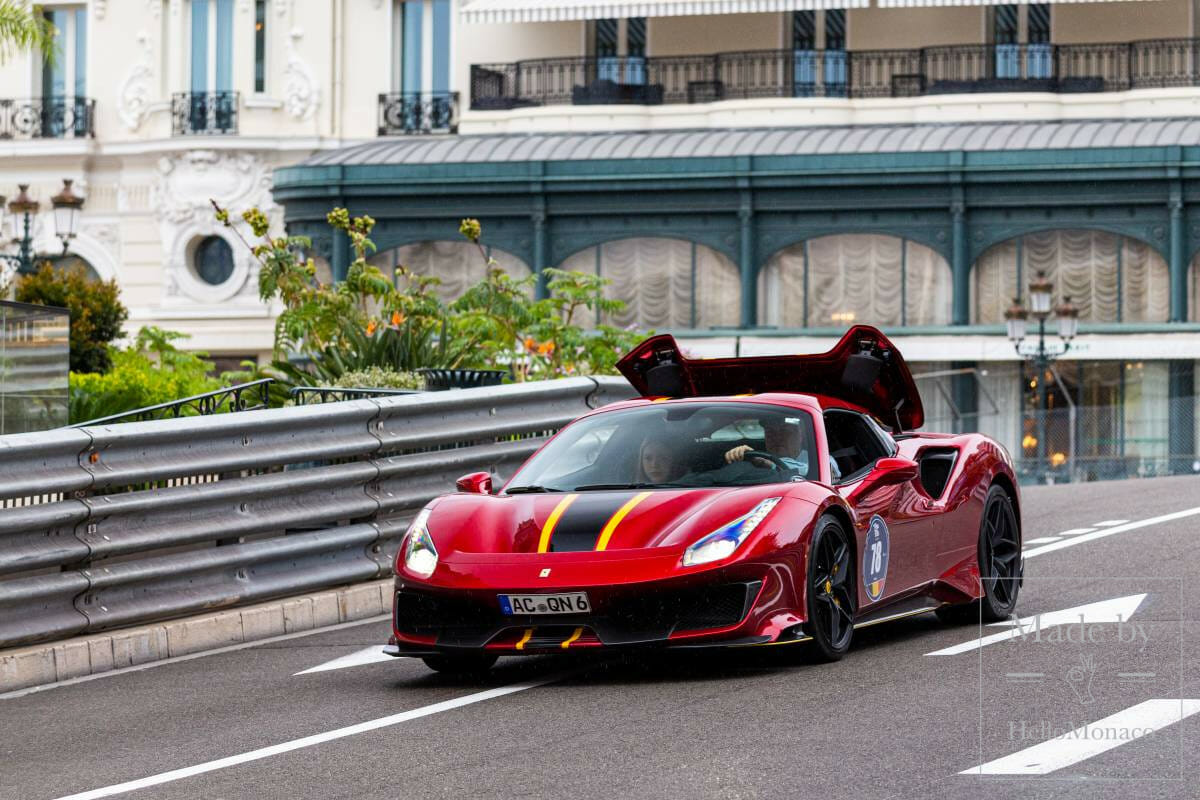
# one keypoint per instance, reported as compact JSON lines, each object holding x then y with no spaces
{"x":702,"y":78}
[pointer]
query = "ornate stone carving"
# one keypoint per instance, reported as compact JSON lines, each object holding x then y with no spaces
{"x":135,"y":91}
{"x":301,"y":92}
{"x":186,"y":183}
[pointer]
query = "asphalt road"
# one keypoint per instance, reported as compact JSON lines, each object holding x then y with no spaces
{"x":889,"y":721}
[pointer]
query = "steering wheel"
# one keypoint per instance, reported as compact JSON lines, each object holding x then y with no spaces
{"x":776,"y":461}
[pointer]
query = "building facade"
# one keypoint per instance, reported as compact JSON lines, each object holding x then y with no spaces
{"x":753,"y":175}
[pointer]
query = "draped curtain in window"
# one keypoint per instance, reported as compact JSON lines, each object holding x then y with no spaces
{"x":654,"y":278}
{"x":1109,"y":278}
{"x":458,"y":265}
{"x":867,"y":278}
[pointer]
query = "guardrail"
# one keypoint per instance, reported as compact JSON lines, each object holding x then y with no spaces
{"x":114,"y":525}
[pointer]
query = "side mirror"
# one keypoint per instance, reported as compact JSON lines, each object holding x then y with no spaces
{"x":475,"y":483}
{"x":886,"y":472}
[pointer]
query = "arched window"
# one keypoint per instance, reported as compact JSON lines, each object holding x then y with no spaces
{"x":458,"y":265}
{"x":1109,"y":277}
{"x":664,"y":283}
{"x":855,"y":278}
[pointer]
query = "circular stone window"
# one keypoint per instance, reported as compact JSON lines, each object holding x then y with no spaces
{"x":212,"y":260}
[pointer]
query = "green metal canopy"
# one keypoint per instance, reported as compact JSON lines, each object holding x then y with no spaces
{"x":958,"y":188}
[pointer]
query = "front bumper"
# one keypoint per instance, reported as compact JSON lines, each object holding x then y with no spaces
{"x":726,"y":609}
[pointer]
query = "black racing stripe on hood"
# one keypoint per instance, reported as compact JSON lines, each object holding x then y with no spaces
{"x":580,"y":525}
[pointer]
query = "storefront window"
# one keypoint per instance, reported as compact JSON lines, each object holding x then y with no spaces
{"x":835,"y":281}
{"x":664,"y":283}
{"x":1109,"y":278}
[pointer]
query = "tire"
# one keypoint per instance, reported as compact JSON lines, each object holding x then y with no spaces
{"x":999,"y":553}
{"x":831,"y":591}
{"x":460,"y":664}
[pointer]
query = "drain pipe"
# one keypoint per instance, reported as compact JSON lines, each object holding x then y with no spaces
{"x":337,"y":68}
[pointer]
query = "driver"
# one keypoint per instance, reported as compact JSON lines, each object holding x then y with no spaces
{"x":781,"y":439}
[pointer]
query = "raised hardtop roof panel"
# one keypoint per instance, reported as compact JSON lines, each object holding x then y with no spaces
{"x":863,"y":369}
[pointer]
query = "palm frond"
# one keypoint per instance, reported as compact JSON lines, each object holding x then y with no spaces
{"x":24,"y":28}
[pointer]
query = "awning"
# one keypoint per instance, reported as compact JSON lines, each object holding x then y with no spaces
{"x":566,"y":10}
{"x":928,"y":3}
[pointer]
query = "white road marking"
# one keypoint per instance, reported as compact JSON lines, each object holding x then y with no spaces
{"x":309,"y":741}
{"x":1075,"y":531}
{"x":1043,"y":540}
{"x":1108,"y":523}
{"x":1115,"y":610}
{"x":1100,"y":534}
{"x":189,"y":657}
{"x":1090,"y":740}
{"x":368,"y":655}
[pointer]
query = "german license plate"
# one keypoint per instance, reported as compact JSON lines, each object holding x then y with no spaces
{"x":565,"y":603}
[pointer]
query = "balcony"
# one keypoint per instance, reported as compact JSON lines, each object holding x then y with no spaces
{"x":204,"y":113}
{"x":48,"y":118}
{"x":408,"y":113}
{"x":951,"y":69}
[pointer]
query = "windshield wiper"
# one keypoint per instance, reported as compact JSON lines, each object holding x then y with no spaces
{"x":529,"y":489}
{"x":601,"y":486}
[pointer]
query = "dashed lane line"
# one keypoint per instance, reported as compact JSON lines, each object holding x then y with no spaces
{"x":1110,"y":531}
{"x":310,"y":741}
{"x":368,"y":655}
{"x":1091,"y":740}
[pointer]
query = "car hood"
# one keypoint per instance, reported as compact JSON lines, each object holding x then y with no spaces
{"x":587,"y":521}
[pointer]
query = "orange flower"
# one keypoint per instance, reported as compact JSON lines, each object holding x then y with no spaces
{"x":397,"y":318}
{"x":546,"y":348}
{"x":530,"y":343}
{"x":371,"y":328}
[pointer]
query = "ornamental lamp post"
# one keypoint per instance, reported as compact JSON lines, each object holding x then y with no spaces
{"x":67,"y":207}
{"x":22,"y":208}
{"x":1041,"y":296}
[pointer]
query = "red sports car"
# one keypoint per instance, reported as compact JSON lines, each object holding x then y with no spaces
{"x":740,"y":501}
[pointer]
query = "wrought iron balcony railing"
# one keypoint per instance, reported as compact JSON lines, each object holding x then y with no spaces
{"x":414,"y":112}
{"x":1062,"y":68}
{"x":48,"y":118}
{"x":204,"y":113}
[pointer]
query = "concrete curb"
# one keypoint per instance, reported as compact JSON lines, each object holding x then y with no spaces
{"x":50,"y":662}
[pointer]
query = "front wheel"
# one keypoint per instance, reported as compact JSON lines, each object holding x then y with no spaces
{"x":832,"y":593}
{"x":999,"y":564}
{"x":460,"y":664}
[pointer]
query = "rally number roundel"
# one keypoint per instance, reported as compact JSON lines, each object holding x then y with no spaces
{"x":875,"y":558}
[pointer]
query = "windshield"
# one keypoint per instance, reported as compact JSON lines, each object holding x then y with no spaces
{"x":683,"y":445}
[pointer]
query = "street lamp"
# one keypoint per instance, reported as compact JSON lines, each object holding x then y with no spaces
{"x":67,"y":206}
{"x":23,"y":208}
{"x":1041,"y":297}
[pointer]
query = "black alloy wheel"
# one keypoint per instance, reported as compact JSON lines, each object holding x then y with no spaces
{"x":832,"y":591}
{"x":999,"y":564}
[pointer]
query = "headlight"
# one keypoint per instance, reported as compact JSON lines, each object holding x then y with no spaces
{"x":420,"y":556}
{"x":724,"y":540}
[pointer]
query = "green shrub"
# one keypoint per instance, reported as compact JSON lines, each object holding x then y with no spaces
{"x":96,"y":311}
{"x":150,"y":372}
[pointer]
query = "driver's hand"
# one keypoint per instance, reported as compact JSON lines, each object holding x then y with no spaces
{"x":737,"y":453}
